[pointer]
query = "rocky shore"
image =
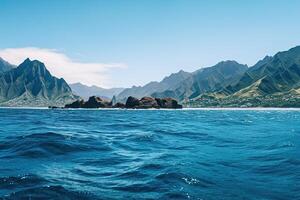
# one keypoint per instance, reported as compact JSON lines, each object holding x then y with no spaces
{"x":131,"y":103}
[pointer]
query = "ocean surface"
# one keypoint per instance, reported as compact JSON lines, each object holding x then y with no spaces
{"x":149,"y":154}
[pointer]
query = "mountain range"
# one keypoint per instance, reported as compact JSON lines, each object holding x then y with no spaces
{"x":87,"y":91}
{"x":204,"y":80}
{"x":272,"y":81}
{"x":167,"y":83}
{"x":184,"y":85}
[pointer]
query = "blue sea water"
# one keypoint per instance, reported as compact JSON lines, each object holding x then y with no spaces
{"x":149,"y":154}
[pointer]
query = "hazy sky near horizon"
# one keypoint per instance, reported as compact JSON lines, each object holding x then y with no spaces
{"x":120,"y":43}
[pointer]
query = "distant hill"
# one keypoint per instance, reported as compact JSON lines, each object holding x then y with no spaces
{"x":31,"y":84}
{"x":5,"y":66}
{"x":87,"y":91}
{"x":147,"y":90}
{"x":205,"y":80}
{"x":184,"y":85}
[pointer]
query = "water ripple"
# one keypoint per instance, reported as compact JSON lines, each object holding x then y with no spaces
{"x":149,"y":154}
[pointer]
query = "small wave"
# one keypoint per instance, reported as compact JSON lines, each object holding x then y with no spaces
{"x":174,"y":177}
{"x":152,"y":167}
{"x":50,"y":192}
{"x":133,"y":174}
{"x":175,"y":195}
{"x":138,"y":188}
{"x":41,"y":145}
{"x":13,"y":182}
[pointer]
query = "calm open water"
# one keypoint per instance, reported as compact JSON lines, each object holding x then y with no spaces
{"x":149,"y":154}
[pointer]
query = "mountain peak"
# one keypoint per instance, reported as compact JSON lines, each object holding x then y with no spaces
{"x":27,"y":60}
{"x":31,"y":84}
{"x":33,"y":64}
{"x":228,"y":62}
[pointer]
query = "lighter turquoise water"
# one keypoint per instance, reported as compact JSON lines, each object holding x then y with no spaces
{"x":149,"y":154}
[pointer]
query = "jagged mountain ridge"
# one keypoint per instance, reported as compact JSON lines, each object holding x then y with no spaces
{"x":273,"y":81}
{"x":272,"y":74}
{"x":206,"y":80}
{"x":31,"y":84}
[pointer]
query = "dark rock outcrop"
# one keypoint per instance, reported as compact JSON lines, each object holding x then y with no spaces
{"x":131,"y":103}
{"x":168,"y":103}
{"x":93,"y":102}
{"x":119,"y":105}
{"x":96,"y":102}
{"x":75,"y":104}
{"x":150,"y":102}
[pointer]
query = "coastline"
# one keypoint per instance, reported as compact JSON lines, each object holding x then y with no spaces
{"x":183,"y":109}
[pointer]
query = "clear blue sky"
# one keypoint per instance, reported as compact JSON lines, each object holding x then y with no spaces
{"x":152,"y":37}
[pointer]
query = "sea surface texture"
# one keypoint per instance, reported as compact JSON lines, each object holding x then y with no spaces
{"x":149,"y":154}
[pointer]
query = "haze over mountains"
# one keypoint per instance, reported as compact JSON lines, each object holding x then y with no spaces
{"x":166,"y":84}
{"x":86,"y":91}
{"x":204,"y":80}
{"x":273,"y":81}
{"x":229,"y":83}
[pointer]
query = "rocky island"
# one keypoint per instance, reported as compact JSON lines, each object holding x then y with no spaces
{"x":131,"y":103}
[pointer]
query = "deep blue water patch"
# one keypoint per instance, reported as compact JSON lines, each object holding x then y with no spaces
{"x":149,"y":154}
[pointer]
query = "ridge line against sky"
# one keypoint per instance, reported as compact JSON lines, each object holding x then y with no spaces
{"x":123,"y":43}
{"x":63,"y":66}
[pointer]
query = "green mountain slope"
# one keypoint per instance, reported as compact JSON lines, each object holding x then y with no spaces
{"x":31,"y":84}
{"x":206,"y":80}
{"x":276,"y":74}
{"x":273,"y":81}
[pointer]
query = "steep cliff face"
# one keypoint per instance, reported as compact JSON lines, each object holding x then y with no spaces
{"x":273,"y":81}
{"x":280,"y":73}
{"x":31,"y":84}
{"x":5,"y":66}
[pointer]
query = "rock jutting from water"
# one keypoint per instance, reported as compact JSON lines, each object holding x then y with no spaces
{"x":131,"y":103}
